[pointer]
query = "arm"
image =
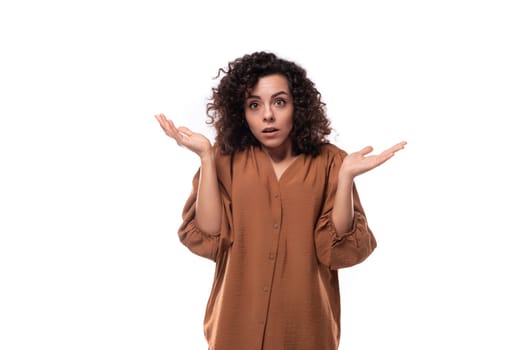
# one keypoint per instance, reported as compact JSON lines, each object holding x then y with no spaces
{"x":354,"y":165}
{"x":208,"y":206}
{"x":336,"y":248}
{"x":208,"y":201}
{"x":342,"y":235}
{"x":343,"y":211}
{"x":205,"y":244}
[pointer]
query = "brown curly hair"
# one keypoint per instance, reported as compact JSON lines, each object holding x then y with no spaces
{"x":226,"y":107}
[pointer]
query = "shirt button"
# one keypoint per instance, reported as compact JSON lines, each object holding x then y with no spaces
{"x":266,"y":289}
{"x":271,"y":256}
{"x":275,"y":226}
{"x":276,"y":195}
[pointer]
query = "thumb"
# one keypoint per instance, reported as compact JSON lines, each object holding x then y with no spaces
{"x":184,"y":130}
{"x":366,"y":150}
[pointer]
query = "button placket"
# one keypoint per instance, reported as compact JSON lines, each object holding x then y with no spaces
{"x":273,"y":247}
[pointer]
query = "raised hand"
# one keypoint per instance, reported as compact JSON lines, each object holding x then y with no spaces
{"x":193,"y":141}
{"x":360,"y":162}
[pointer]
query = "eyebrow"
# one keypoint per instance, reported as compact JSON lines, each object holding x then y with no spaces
{"x":273,"y":96}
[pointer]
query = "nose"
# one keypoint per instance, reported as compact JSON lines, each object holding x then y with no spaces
{"x":268,"y":114}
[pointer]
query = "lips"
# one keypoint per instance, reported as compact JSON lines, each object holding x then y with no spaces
{"x":269,"y":130}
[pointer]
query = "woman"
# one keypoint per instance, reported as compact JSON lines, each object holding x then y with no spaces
{"x":275,"y":206}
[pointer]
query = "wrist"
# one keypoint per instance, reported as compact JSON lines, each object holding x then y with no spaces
{"x":345,"y":177}
{"x":207,"y":156}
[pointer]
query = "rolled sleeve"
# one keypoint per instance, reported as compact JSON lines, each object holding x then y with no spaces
{"x":339,"y":250}
{"x":345,"y":250}
{"x":197,"y":241}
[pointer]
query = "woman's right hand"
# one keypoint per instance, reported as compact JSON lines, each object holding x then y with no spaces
{"x":193,"y":141}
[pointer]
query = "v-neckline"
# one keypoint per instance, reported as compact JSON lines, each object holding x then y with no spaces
{"x":276,"y":176}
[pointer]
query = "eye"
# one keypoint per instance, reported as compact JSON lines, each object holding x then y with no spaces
{"x":280,"y":102}
{"x":253,"y":105}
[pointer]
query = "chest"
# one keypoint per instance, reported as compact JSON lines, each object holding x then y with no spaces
{"x":258,"y":186}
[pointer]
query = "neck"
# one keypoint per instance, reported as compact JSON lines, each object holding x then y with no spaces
{"x":281,"y":154}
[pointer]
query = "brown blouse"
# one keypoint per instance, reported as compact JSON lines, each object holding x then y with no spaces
{"x":277,"y":254}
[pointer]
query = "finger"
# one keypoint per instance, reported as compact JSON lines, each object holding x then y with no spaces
{"x":174,"y":132}
{"x":366,"y":150}
{"x":162,"y":122}
{"x":171,"y":124}
{"x":389,"y":153}
{"x":169,"y":128}
{"x":383,"y":157}
{"x":160,"y":118}
{"x":179,"y":136}
{"x":397,"y":147}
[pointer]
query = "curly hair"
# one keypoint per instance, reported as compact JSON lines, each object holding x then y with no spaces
{"x":226,"y":107}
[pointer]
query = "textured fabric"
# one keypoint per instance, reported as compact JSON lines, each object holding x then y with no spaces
{"x":277,"y":254}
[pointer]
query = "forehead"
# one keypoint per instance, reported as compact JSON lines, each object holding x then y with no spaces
{"x":271,"y":84}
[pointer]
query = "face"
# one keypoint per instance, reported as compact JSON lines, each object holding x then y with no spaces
{"x":269,"y":113}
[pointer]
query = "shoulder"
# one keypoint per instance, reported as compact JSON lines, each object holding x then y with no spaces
{"x":219,"y":156}
{"x":237,"y":153}
{"x":328,"y":160}
{"x":331,"y":152}
{"x":224,"y":162}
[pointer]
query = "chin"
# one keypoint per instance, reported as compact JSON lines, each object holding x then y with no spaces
{"x":274,"y":144}
{"x":271,"y":144}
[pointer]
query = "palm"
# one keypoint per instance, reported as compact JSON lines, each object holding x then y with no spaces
{"x":193,"y":141}
{"x":360,"y":162}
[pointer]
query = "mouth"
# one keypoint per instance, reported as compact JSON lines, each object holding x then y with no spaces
{"x":269,"y":130}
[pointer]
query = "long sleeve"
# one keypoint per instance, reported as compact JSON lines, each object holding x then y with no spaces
{"x":196,"y":240}
{"x":347,"y":249}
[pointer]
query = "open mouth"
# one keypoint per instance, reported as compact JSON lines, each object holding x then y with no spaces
{"x":269,"y":130}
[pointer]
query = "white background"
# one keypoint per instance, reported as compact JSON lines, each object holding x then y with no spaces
{"x":91,"y":189}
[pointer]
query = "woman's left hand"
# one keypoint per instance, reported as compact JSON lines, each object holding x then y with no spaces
{"x":360,"y":162}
